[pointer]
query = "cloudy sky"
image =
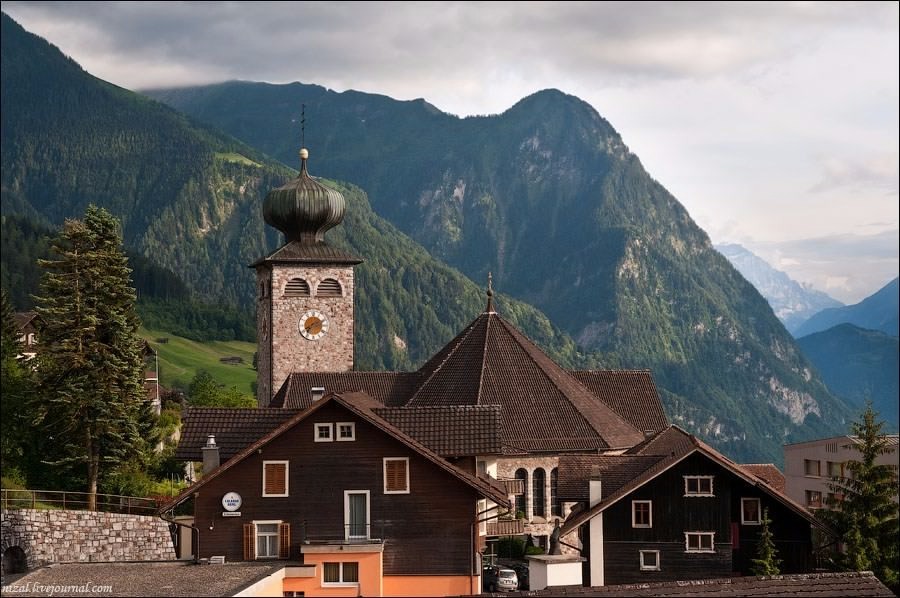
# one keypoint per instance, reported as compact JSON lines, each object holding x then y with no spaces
{"x":776,"y":125}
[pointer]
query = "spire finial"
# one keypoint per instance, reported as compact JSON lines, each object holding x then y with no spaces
{"x":490,"y":294}
{"x":304,"y":153}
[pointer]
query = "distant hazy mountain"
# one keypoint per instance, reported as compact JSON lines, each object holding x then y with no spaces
{"x":792,"y":302}
{"x":858,"y":364}
{"x":876,"y":312}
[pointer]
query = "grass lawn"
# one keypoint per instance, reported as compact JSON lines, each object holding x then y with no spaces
{"x":180,"y":359}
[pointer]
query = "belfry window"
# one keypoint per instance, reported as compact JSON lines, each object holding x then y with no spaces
{"x":329,"y":288}
{"x":296,"y":287}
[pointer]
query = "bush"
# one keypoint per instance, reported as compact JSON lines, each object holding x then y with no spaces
{"x":511,"y":547}
{"x":534,"y":550}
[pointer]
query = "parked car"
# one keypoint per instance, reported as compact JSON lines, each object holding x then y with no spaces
{"x":499,"y":579}
{"x":521,"y":570}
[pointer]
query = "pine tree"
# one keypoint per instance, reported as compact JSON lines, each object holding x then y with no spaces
{"x":766,"y":561}
{"x":863,"y":512}
{"x":90,"y":373}
{"x":14,"y":380}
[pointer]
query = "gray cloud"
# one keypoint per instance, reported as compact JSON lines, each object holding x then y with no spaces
{"x":349,"y":43}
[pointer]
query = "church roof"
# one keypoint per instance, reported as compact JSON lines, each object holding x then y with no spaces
{"x":296,"y":252}
{"x":544,"y":407}
{"x":391,"y":389}
{"x":451,"y":430}
{"x":234,"y":429}
{"x":630,"y":393}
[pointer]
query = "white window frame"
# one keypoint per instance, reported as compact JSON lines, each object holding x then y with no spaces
{"x":634,"y":522}
{"x":337,"y":432}
{"x":712,"y":541}
{"x":347,"y":535}
{"x":758,"y":511}
{"x":689,"y":478}
{"x":323,"y":426}
{"x":384,"y":474}
{"x":341,"y":583}
{"x":287,"y":479}
{"x":644,"y":566}
{"x":277,"y":523}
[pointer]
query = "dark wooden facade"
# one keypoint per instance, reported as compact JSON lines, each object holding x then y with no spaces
{"x":674,"y":514}
{"x":426,"y":532}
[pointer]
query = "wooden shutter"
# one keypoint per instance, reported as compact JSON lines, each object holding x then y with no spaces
{"x":296,"y":287}
{"x":284,"y":540}
{"x":275,"y":478}
{"x":395,"y":475}
{"x":249,"y":542}
{"x":329,"y":288}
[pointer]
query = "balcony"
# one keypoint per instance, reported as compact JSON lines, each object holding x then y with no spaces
{"x":513,"y":486}
{"x":321,"y":535}
{"x":506,"y":527}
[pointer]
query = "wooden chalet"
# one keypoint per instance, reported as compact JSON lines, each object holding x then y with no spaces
{"x":674,"y":508}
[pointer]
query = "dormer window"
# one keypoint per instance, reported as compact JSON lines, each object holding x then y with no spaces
{"x":329,"y":288}
{"x":296,"y":287}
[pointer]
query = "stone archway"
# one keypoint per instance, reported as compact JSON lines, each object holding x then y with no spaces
{"x":16,"y":555}
{"x":14,"y":561}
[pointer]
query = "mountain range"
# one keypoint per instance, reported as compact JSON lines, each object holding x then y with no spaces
{"x":545,"y":195}
{"x":858,"y":365}
{"x":878,"y":311}
{"x":792,"y":302}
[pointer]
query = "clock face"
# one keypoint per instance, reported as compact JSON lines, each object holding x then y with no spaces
{"x":313,"y":325}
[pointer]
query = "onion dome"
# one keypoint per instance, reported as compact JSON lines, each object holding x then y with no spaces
{"x":304,"y":209}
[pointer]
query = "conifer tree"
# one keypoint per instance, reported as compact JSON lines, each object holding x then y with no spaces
{"x":863,"y":511}
{"x":14,"y":382}
{"x":90,"y":373}
{"x":766,"y":561}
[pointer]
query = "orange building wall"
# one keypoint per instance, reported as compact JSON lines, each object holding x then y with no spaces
{"x":370,"y":575}
{"x":431,"y":585}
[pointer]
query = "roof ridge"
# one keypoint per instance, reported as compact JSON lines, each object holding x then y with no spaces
{"x":458,"y":340}
{"x":529,"y":347}
{"x":487,"y":333}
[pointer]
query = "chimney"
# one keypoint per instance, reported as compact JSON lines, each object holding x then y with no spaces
{"x":210,"y":455}
{"x":317,"y":392}
{"x":594,"y":487}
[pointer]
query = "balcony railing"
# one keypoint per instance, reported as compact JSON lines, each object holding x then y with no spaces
{"x":506,"y":527}
{"x":354,"y":533}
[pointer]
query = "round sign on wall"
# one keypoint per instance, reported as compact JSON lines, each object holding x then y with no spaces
{"x":231,"y":501}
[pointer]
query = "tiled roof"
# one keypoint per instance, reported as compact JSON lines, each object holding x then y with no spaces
{"x":671,"y":446}
{"x":810,"y":584}
{"x":364,"y":407}
{"x":388,"y":388}
{"x":630,"y":393}
{"x":452,"y":430}
{"x":235,"y":429}
{"x":615,"y":471}
{"x":319,"y":253}
{"x":164,"y":578}
{"x":543,"y":407}
{"x":768,"y":472}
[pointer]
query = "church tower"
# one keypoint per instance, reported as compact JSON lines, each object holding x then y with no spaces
{"x":304,"y":298}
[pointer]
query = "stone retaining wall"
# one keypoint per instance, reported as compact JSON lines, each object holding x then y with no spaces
{"x":60,"y":536}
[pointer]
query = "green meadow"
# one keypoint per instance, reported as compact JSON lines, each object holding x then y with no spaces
{"x":180,"y":359}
